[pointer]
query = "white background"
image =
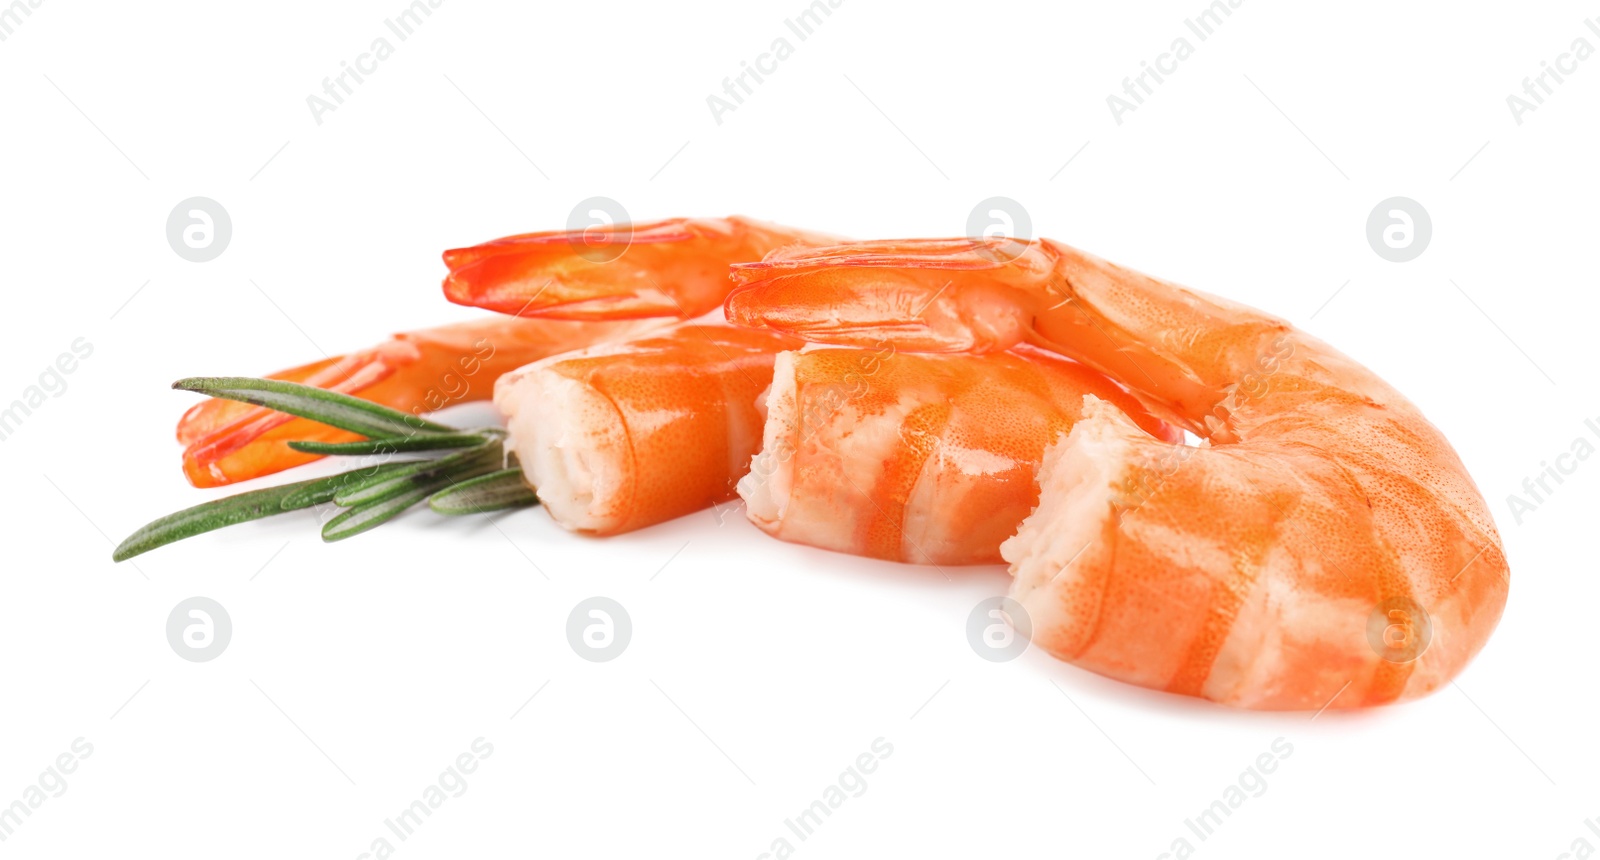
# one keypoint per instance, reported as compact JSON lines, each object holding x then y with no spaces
{"x":758,"y":670}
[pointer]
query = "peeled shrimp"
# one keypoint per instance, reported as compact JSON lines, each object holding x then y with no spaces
{"x":1324,"y":547}
{"x":928,"y":459}
{"x":915,"y":458}
{"x":626,"y":435}
{"x":642,"y":277}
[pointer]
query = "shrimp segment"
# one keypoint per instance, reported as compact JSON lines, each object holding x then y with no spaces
{"x":626,"y":435}
{"x":677,"y":267}
{"x":586,"y":288}
{"x":928,"y":459}
{"x":1299,"y":559}
{"x":226,"y":441}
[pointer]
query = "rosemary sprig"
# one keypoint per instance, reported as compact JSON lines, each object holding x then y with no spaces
{"x":389,"y":484}
{"x":395,"y":445}
{"x":353,"y":521}
{"x":361,"y":517}
{"x":214,"y":515}
{"x":320,"y":405}
{"x":370,"y":495}
{"x":496,"y":491}
{"x":323,"y":490}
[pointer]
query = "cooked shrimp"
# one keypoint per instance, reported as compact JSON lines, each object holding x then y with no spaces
{"x":1294,"y":561}
{"x":421,"y":371}
{"x":677,"y":267}
{"x":616,"y":437}
{"x":927,"y":459}
{"x":622,"y":436}
{"x":648,"y":275}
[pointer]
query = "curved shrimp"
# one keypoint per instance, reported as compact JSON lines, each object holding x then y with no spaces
{"x":643,"y":277}
{"x":622,"y":436}
{"x":1298,"y":560}
{"x":927,"y":459}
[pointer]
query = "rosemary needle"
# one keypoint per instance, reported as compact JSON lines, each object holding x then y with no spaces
{"x":496,"y":491}
{"x":466,"y":466}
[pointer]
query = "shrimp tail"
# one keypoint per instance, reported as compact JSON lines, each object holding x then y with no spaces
{"x":563,"y":290}
{"x":227,"y":441}
{"x":677,"y":268}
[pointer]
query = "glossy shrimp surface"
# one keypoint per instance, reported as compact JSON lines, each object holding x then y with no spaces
{"x":421,"y":371}
{"x":582,"y":288}
{"x":626,"y":435}
{"x":677,"y":267}
{"x":1324,"y":547}
{"x":928,"y":459}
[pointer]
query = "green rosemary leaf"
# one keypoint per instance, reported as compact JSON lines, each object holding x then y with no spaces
{"x":495,"y":491}
{"x":402,"y":479}
{"x":212,"y":515}
{"x":324,"y":489}
{"x":354,"y":521}
{"x":326,"y":407}
{"x":367,"y":516}
{"x":394,"y":445}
